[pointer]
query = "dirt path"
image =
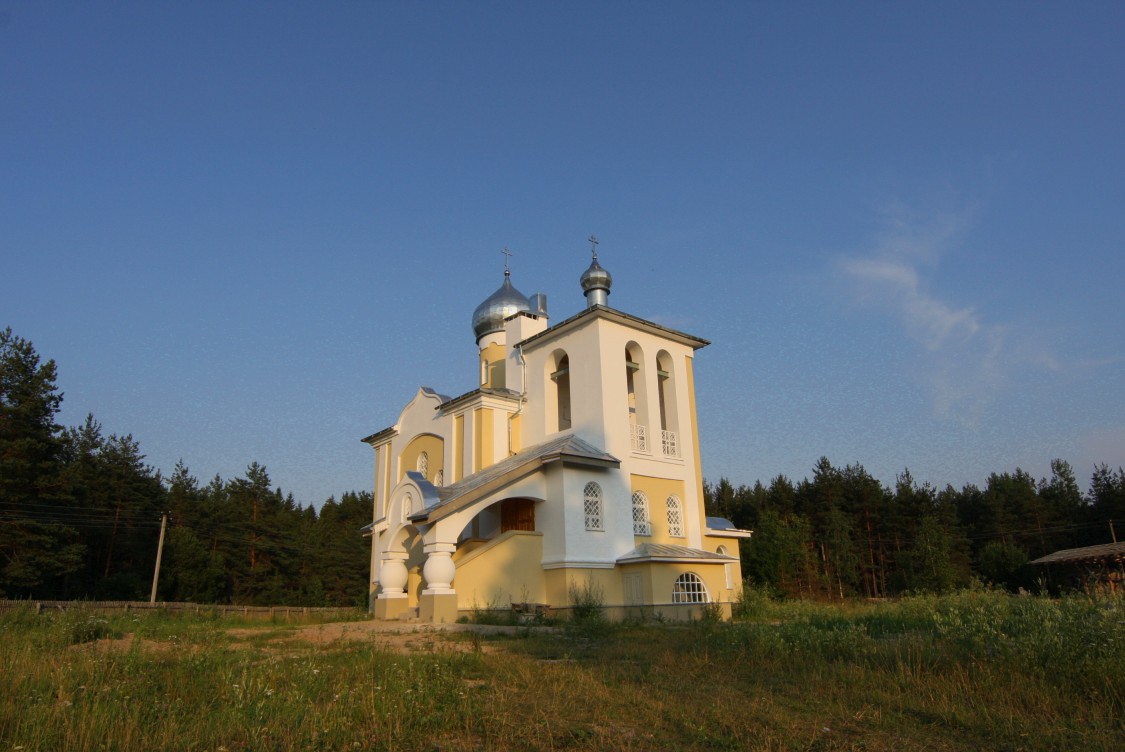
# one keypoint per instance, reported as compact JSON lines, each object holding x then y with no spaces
{"x":398,"y":637}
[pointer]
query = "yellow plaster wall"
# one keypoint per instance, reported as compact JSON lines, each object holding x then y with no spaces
{"x":517,"y":433}
{"x":645,"y":571}
{"x":387,"y":454}
{"x":507,"y":569}
{"x":482,"y":438}
{"x":458,"y":448}
{"x":658,"y":490}
{"x":664,"y":575}
{"x":431,"y":445}
{"x":380,"y":472}
{"x":494,"y":354}
{"x":559,"y":582}
{"x":702,"y":521}
{"x":732,"y":545}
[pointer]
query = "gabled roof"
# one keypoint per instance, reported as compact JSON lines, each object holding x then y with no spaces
{"x":1106,"y":551}
{"x":612,"y":314}
{"x":568,"y":449}
{"x":669,"y":552}
{"x":391,"y":430}
{"x":379,"y":435}
{"x":448,"y":403}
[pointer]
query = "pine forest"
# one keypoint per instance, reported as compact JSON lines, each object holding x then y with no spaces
{"x":80,"y":515}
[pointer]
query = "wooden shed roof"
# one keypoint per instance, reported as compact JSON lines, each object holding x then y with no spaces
{"x":1104,"y":552}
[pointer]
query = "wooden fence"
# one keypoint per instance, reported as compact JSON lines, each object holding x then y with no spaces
{"x":285,"y":613}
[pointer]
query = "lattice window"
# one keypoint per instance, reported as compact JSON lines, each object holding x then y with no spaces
{"x":669,"y":444}
{"x":675,"y":517}
{"x":424,"y":464}
{"x":439,"y":478}
{"x":688,"y":588}
{"x":639,"y":436}
{"x":641,"y":523}
{"x":592,"y":506}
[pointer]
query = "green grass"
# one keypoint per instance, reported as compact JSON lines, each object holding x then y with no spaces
{"x":977,"y":670}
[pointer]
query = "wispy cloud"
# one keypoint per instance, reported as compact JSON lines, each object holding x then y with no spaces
{"x":965,"y":358}
{"x":931,"y":321}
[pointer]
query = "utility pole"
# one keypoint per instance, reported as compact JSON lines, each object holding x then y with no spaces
{"x":159,"y":553}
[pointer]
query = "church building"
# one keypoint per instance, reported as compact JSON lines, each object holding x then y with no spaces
{"x":570,"y":473}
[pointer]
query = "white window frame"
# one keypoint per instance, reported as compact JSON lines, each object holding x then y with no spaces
{"x":642,"y":525}
{"x":592,"y":506}
{"x":689,"y":588}
{"x":675,"y":517}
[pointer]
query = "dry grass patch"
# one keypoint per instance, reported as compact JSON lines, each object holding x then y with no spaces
{"x":967,"y":672}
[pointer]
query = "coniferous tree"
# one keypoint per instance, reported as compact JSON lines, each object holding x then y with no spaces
{"x":342,"y":555}
{"x":1107,"y":504}
{"x":39,"y":550}
{"x":1064,"y":507}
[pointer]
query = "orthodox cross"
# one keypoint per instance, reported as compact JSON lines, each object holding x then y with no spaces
{"x":507,"y":258}
{"x":594,"y":246}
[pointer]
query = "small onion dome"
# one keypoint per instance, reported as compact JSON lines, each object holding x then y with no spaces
{"x":489,"y":315}
{"x":595,"y":278}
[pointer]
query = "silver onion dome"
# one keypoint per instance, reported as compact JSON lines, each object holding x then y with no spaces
{"x":596,"y":282}
{"x":489,"y":315}
{"x":596,"y":278}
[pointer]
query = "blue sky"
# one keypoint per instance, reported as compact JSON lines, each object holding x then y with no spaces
{"x":249,"y":231}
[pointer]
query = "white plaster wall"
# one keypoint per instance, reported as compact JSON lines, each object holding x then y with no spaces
{"x":517,"y":329}
{"x":421,"y":416}
{"x":615,"y":408}
{"x":533,"y":419}
{"x":550,"y":516}
{"x":600,"y":415}
{"x":586,"y":387}
{"x":580,"y":545}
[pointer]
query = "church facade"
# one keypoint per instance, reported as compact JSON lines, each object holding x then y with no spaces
{"x":572,"y":472}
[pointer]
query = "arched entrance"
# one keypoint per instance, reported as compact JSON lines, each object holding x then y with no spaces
{"x":400,"y":573}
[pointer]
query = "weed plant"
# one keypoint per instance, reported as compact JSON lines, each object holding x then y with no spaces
{"x":974,"y":670}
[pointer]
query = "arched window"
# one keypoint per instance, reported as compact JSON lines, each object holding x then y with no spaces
{"x":675,"y":517}
{"x":688,"y":588}
{"x":641,"y":524}
{"x":636,"y":397}
{"x":669,"y":436}
{"x":407,"y":506}
{"x":439,"y":478}
{"x":424,"y":464}
{"x":722,"y":551}
{"x":561,"y":378}
{"x":592,"y":506}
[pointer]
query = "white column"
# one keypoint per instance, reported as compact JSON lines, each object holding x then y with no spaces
{"x":439,"y":568}
{"x":393,"y":576}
